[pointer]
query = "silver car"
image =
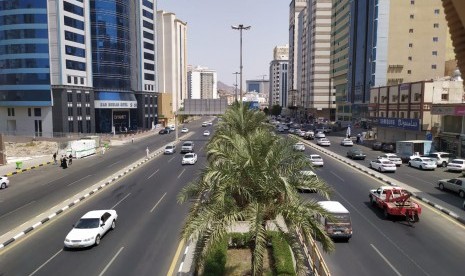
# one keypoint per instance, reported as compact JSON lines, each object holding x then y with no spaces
{"x":4,"y":182}
{"x":455,"y":184}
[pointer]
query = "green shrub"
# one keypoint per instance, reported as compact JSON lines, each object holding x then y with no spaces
{"x":215,"y":262}
{"x":282,"y":256}
{"x":239,"y":240}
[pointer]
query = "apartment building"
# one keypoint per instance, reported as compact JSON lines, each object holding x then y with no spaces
{"x":202,"y":83}
{"x":278,"y":84}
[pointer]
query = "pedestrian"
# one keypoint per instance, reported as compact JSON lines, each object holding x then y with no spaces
{"x":358,"y":138}
{"x":132,"y":140}
{"x":103,"y":150}
{"x":55,"y":158}
{"x":64,"y":165}
{"x":147,"y":150}
{"x":70,"y":159}
{"x":361,"y":139}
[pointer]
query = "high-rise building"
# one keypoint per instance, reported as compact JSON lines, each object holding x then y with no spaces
{"x":278,"y":84}
{"x":258,"y":86}
{"x":201,"y":83}
{"x":172,"y":63}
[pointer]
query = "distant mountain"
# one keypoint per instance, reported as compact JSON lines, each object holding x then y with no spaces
{"x":226,"y":88}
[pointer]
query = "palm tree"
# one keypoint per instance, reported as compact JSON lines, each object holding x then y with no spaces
{"x":251,"y":176}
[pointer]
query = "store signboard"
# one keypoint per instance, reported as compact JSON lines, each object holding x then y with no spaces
{"x":115,"y":104}
{"x":406,"y":124}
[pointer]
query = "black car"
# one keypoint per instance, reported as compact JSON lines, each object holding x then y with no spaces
{"x":164,"y":131}
{"x":388,"y":147}
{"x":377,"y":146}
{"x":356,"y":154}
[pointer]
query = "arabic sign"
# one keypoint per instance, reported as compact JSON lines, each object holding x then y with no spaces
{"x":448,"y":110}
{"x":407,"y":124}
{"x":115,"y":104}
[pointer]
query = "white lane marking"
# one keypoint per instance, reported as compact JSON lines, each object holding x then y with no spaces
{"x":158,"y":202}
{"x":120,"y":201}
{"x":386,"y":260}
{"x":54,"y":180}
{"x":113,"y":164}
{"x":9,"y":213}
{"x":111,"y":261}
{"x":181,"y":173}
{"x":40,"y":267}
{"x":340,"y":178}
{"x":152,"y":174}
{"x":79,"y":180}
{"x":201,"y":148}
{"x":171,"y":159}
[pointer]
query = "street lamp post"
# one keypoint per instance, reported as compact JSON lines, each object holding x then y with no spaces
{"x":240,"y":28}
{"x":236,"y":73}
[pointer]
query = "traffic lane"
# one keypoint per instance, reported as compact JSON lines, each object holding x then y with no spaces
{"x":136,"y":195}
{"x":48,"y":187}
{"x":394,"y":243}
{"x":424,"y":181}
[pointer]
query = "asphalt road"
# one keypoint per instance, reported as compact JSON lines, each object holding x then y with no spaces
{"x":425,"y":181}
{"x":388,"y":247}
{"x":147,"y":232}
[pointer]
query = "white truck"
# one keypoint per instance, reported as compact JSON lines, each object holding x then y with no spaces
{"x":405,"y":149}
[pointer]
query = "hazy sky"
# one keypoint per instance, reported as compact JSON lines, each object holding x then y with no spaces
{"x":212,"y":43}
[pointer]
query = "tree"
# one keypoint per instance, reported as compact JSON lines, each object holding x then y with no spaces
{"x":266,"y":111}
{"x":182,"y":117}
{"x":276,"y":110}
{"x":251,"y":176}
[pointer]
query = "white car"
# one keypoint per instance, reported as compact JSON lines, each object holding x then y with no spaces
{"x":316,"y":160}
{"x":184,"y":130}
{"x":4,"y":182}
{"x":90,"y":228}
{"x":347,"y":142}
{"x":455,"y":184}
{"x":391,"y":157}
{"x":456,"y":165}
{"x":189,"y":158}
{"x":170,"y":149}
{"x":206,"y":133}
{"x":319,"y":135}
{"x":383,"y":165}
{"x":423,"y":163}
{"x":310,"y":174}
{"x":299,"y":147}
{"x":210,"y":123}
{"x":204,"y":124}
{"x":323,"y":142}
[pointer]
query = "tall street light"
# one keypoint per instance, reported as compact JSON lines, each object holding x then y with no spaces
{"x":240,"y":28}
{"x":236,"y":73}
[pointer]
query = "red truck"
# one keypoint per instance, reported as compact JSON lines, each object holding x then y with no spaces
{"x":395,"y":201}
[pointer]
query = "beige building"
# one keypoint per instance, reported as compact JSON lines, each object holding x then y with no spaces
{"x":171,"y":62}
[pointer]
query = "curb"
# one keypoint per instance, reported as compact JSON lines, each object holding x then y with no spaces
{"x":183,"y":259}
{"x":387,"y":181}
{"x":110,"y":180}
{"x":27,"y":169}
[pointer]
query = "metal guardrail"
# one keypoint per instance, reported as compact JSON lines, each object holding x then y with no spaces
{"x":314,"y":257}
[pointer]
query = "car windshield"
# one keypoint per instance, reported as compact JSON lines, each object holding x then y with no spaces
{"x":457,"y":161}
{"x":316,"y":157}
{"x":169,"y":147}
{"x":87,"y":223}
{"x":339,"y":218}
{"x":187,"y":144}
{"x":187,"y":156}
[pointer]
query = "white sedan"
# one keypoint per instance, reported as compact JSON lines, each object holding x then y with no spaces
{"x":4,"y":182}
{"x":316,"y":160}
{"x":320,"y":135}
{"x":189,"y":158}
{"x":299,"y":147}
{"x":347,"y":142}
{"x":383,"y":165}
{"x":206,"y":133}
{"x":456,"y":165}
{"x":90,"y":228}
{"x":423,"y":163}
{"x":391,"y":157}
{"x":184,"y":130}
{"x":323,"y":142}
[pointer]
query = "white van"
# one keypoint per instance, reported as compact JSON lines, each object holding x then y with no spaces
{"x":341,"y":227}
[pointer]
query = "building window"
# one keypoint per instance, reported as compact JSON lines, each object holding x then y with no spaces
{"x":445,"y":97}
{"x":415,"y":115}
{"x":11,"y":112}
{"x":70,"y":97}
{"x":88,"y":128}
{"x":434,"y":53}
{"x":436,"y":25}
{"x":410,"y":58}
{"x":409,"y":71}
{"x":70,"y":126}
{"x":69,"y":79}
{"x":79,"y":97}
{"x":70,"y":111}
{"x":412,"y":16}
{"x":412,"y":2}
{"x":29,"y":112}
{"x":401,"y":114}
{"x":436,"y":11}
{"x":87,"y":98}
{"x":410,"y":31}
{"x":433,"y":66}
{"x":80,"y":126}
{"x":82,"y":80}
{"x":38,"y":126}
{"x":37,"y":112}
{"x":435,"y":39}
{"x":393,"y":114}
{"x":410,"y":45}
{"x":87,"y":110}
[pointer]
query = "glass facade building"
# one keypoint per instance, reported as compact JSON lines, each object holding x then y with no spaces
{"x":24,"y":54}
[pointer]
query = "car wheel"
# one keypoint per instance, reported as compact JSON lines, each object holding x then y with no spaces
{"x":461,"y":194}
{"x":113,"y":225}
{"x":372,"y":200}
{"x":381,"y":169}
{"x":409,"y":164}
{"x":3,"y":186}
{"x":444,"y":164}
{"x":370,"y":166}
{"x":421,"y":167}
{"x":441,"y":186}
{"x":97,"y":240}
{"x":385,"y":213}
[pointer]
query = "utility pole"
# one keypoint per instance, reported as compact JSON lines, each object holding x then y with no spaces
{"x":240,"y":28}
{"x":236,"y":73}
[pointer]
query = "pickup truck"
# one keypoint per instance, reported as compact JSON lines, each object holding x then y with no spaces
{"x":395,"y":201}
{"x":187,"y":146}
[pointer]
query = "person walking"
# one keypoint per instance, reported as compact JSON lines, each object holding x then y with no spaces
{"x":132,"y":139}
{"x":70,"y":159}
{"x":55,"y":158}
{"x":103,"y":150}
{"x":147,"y":150}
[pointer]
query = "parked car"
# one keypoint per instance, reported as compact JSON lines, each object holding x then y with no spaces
{"x":323,"y":142}
{"x":164,"y":131}
{"x":391,"y":157}
{"x":456,"y":165}
{"x":347,"y":142}
{"x":383,"y":165}
{"x":206,"y":133}
{"x":189,"y":158}
{"x":316,"y":160}
{"x":309,"y":135}
{"x":170,"y":149}
{"x":4,"y":182}
{"x":91,"y":228}
{"x":184,"y":130}
{"x":388,"y":147}
{"x":356,"y":154}
{"x":204,"y":124}
{"x":377,"y":146}
{"x":441,"y":158}
{"x":455,"y":184}
{"x":424,"y":163}
{"x":319,"y":135}
{"x":210,"y":123}
{"x":299,"y":146}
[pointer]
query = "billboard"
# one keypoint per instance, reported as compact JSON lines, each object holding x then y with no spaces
{"x":406,"y":124}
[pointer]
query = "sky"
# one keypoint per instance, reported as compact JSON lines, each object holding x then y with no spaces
{"x":212,"y":43}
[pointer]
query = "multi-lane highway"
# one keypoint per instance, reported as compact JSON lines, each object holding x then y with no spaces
{"x":148,"y":229}
{"x":388,"y":247}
